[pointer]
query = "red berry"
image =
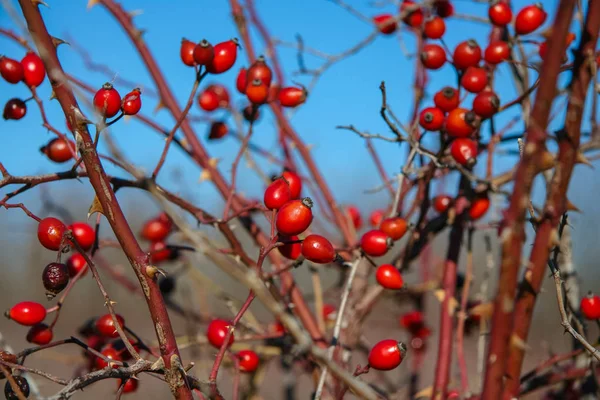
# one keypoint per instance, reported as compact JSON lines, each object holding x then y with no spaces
{"x":443,"y":8}
{"x":39,"y":334}
{"x":466,"y":54}
{"x":11,"y":70}
{"x":261,"y":71}
{"x":431,"y":119}
{"x":479,"y":206}
{"x":130,"y":385}
{"x":529,"y":19}
{"x":277,"y":194}
{"x":446,"y":99}
{"x":590,"y":306}
{"x":55,"y":278}
{"x":354,"y":214}
{"x":464,"y":151}
{"x":111,"y":354}
{"x":225,"y":56}
{"x":329,"y":312}
{"x":105,"y":325}
{"x":414,"y":18}
{"x":76,"y":263}
{"x":107,"y":101}
{"x":274,"y":90}
{"x":453,"y":395}
{"x":376,"y":217}
{"x":486,"y":104}
{"x":203,"y":53}
{"x":208,"y":100}
{"x":441,"y":203}
{"x":59,"y":150}
{"x":159,"y":252}
{"x":375,"y":243}
{"x":389,"y":277}
{"x":385,"y":23}
{"x":497,"y":52}
{"x":500,"y":13}
{"x":386,"y":355}
{"x":218,"y":130}
{"x":295,"y":183}
{"x":84,"y":234}
{"x":27,"y":313}
{"x":216,"y":332}
{"x":459,"y":123}
{"x":394,"y":227}
{"x":222,"y":94}
{"x":318,"y":249}
{"x":290,"y":251}
{"x":474,"y":79}
{"x":14,"y":109}
{"x":434,"y":28}
{"x":433,"y":56}
{"x":248,"y":360}
{"x":50,"y":233}
{"x":132,"y":102}
{"x":294,"y":217}
{"x":155,"y":230}
{"x":257,"y":92}
{"x":34,"y":71}
{"x":186,"y":52}
{"x":413,"y":322}
{"x":291,"y":96}
{"x":242,"y":81}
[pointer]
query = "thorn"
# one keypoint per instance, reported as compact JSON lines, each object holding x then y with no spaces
{"x":52,"y":95}
{"x":138,"y":33}
{"x":572,"y":207}
{"x":204,"y":176}
{"x":159,"y":106}
{"x":547,"y":161}
{"x":213,"y":162}
{"x":92,"y":3}
{"x":582,"y":159}
{"x":58,"y":41}
{"x":39,"y":2}
{"x":112,"y":303}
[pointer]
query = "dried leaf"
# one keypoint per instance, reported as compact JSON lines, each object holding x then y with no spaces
{"x":96,"y":207}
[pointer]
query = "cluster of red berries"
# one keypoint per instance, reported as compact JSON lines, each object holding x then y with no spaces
{"x":29,"y":70}
{"x":156,"y":231}
{"x":414,"y":323}
{"x":108,"y":102}
{"x":413,"y":16}
{"x":480,"y":205}
{"x":216,"y":333}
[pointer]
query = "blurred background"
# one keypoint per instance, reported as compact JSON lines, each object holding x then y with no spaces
{"x":346,"y":93}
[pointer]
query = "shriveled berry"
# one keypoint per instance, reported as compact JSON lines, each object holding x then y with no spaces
{"x":217,"y":331}
{"x":55,"y":278}
{"x":59,"y":150}
{"x":248,"y":360}
{"x":394,"y":227}
{"x":50,"y":232}
{"x":40,"y":334}
{"x":11,"y":70}
{"x":318,"y":249}
{"x":375,"y":243}
{"x":251,"y":113}
{"x":277,"y":194}
{"x":443,"y":8}
{"x":27,"y":313}
{"x":389,"y":277}
{"x":294,"y":217}
{"x":105,"y":325}
{"x":23,"y":385}
{"x":387,"y":355}
{"x":166,"y":285}
{"x":14,"y":109}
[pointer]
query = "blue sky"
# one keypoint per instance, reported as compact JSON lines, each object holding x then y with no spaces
{"x":346,"y":94}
